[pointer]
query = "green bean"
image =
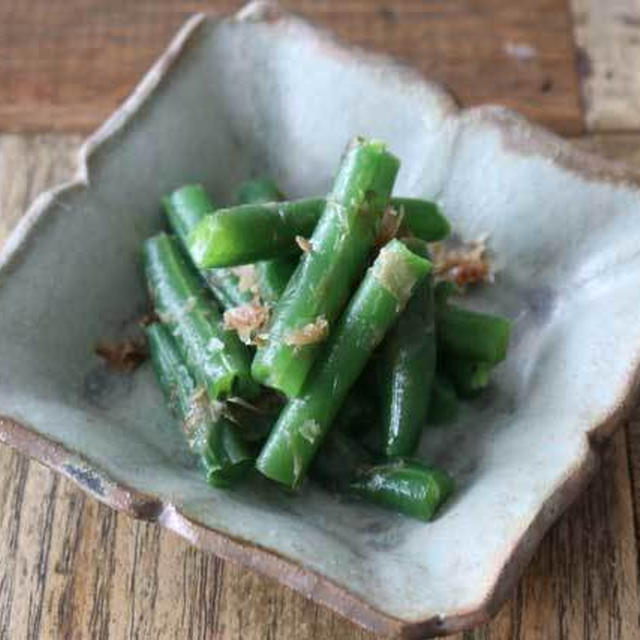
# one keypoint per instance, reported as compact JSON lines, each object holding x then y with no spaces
{"x":407,"y":487}
{"x":337,"y":462}
{"x":406,"y":368}
{"x":422,"y":218}
{"x":225,"y":286}
{"x":225,"y":457}
{"x":374,"y":307}
{"x":185,"y":208}
{"x":217,"y":358}
{"x":472,"y":335}
{"x":358,"y":414}
{"x":443,"y":290}
{"x":443,"y":402}
{"x":469,"y":377}
{"x":244,"y":234}
{"x":258,"y":191}
{"x":252,"y":232}
{"x":320,"y":286}
{"x":272,"y":275}
{"x":213,"y":438}
{"x":254,"y":419}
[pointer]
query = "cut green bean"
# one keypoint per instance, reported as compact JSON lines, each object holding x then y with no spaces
{"x":211,"y":437}
{"x":379,"y":300}
{"x":217,"y":358}
{"x":406,"y":487}
{"x":358,"y":414}
{"x":254,"y":419}
{"x":422,"y":218}
{"x":443,"y":402}
{"x":272,"y":275}
{"x":338,"y":461}
{"x":185,"y":208}
{"x":252,"y":232}
{"x":258,"y":191}
{"x":443,"y":290}
{"x":225,"y":457}
{"x":472,"y":335}
{"x":406,"y":368}
{"x":225,"y":286}
{"x":261,"y":231}
{"x":322,"y":283}
{"x":469,"y":377}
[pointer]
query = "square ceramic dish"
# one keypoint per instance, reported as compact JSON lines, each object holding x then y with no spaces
{"x":264,"y":93}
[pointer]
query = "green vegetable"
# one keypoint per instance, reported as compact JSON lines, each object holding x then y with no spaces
{"x":217,"y":358}
{"x":443,"y":290}
{"x":213,"y":438}
{"x":359,"y":413}
{"x":225,"y":457}
{"x":225,"y":286}
{"x":272,"y":275}
{"x":374,"y":307}
{"x":320,"y":286}
{"x":443,"y":402}
{"x":252,"y":232}
{"x":468,"y":377}
{"x":406,"y":487}
{"x":406,"y":369}
{"x":422,"y":218}
{"x":254,"y":419}
{"x":472,"y":335}
{"x":185,"y":208}
{"x":337,"y":462}
{"x":258,"y":191}
{"x":264,"y":230}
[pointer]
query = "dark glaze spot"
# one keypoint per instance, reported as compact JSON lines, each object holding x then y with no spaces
{"x":86,"y":478}
{"x":102,"y":387}
{"x":540,"y":301}
{"x":382,"y":533}
{"x":583,"y":63}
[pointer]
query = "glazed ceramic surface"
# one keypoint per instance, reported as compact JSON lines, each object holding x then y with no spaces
{"x":264,"y":93}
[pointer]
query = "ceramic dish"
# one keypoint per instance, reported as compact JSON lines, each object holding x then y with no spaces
{"x":264,"y":93}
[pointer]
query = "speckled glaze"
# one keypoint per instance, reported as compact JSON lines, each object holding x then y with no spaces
{"x":264,"y":93}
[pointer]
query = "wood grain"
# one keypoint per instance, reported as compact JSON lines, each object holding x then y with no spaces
{"x":607,"y":35}
{"x":72,"y":568}
{"x":65,"y":65}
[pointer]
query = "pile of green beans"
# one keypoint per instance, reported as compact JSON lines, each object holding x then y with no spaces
{"x":357,"y":349}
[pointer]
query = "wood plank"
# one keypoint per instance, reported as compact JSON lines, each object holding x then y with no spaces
{"x":65,"y":65}
{"x":582,"y":582}
{"x":608,"y":39}
{"x":72,"y":568}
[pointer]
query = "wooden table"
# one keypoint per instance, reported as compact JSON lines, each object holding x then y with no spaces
{"x":71,"y":568}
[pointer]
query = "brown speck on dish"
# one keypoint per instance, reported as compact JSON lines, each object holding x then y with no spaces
{"x":125,"y":356}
